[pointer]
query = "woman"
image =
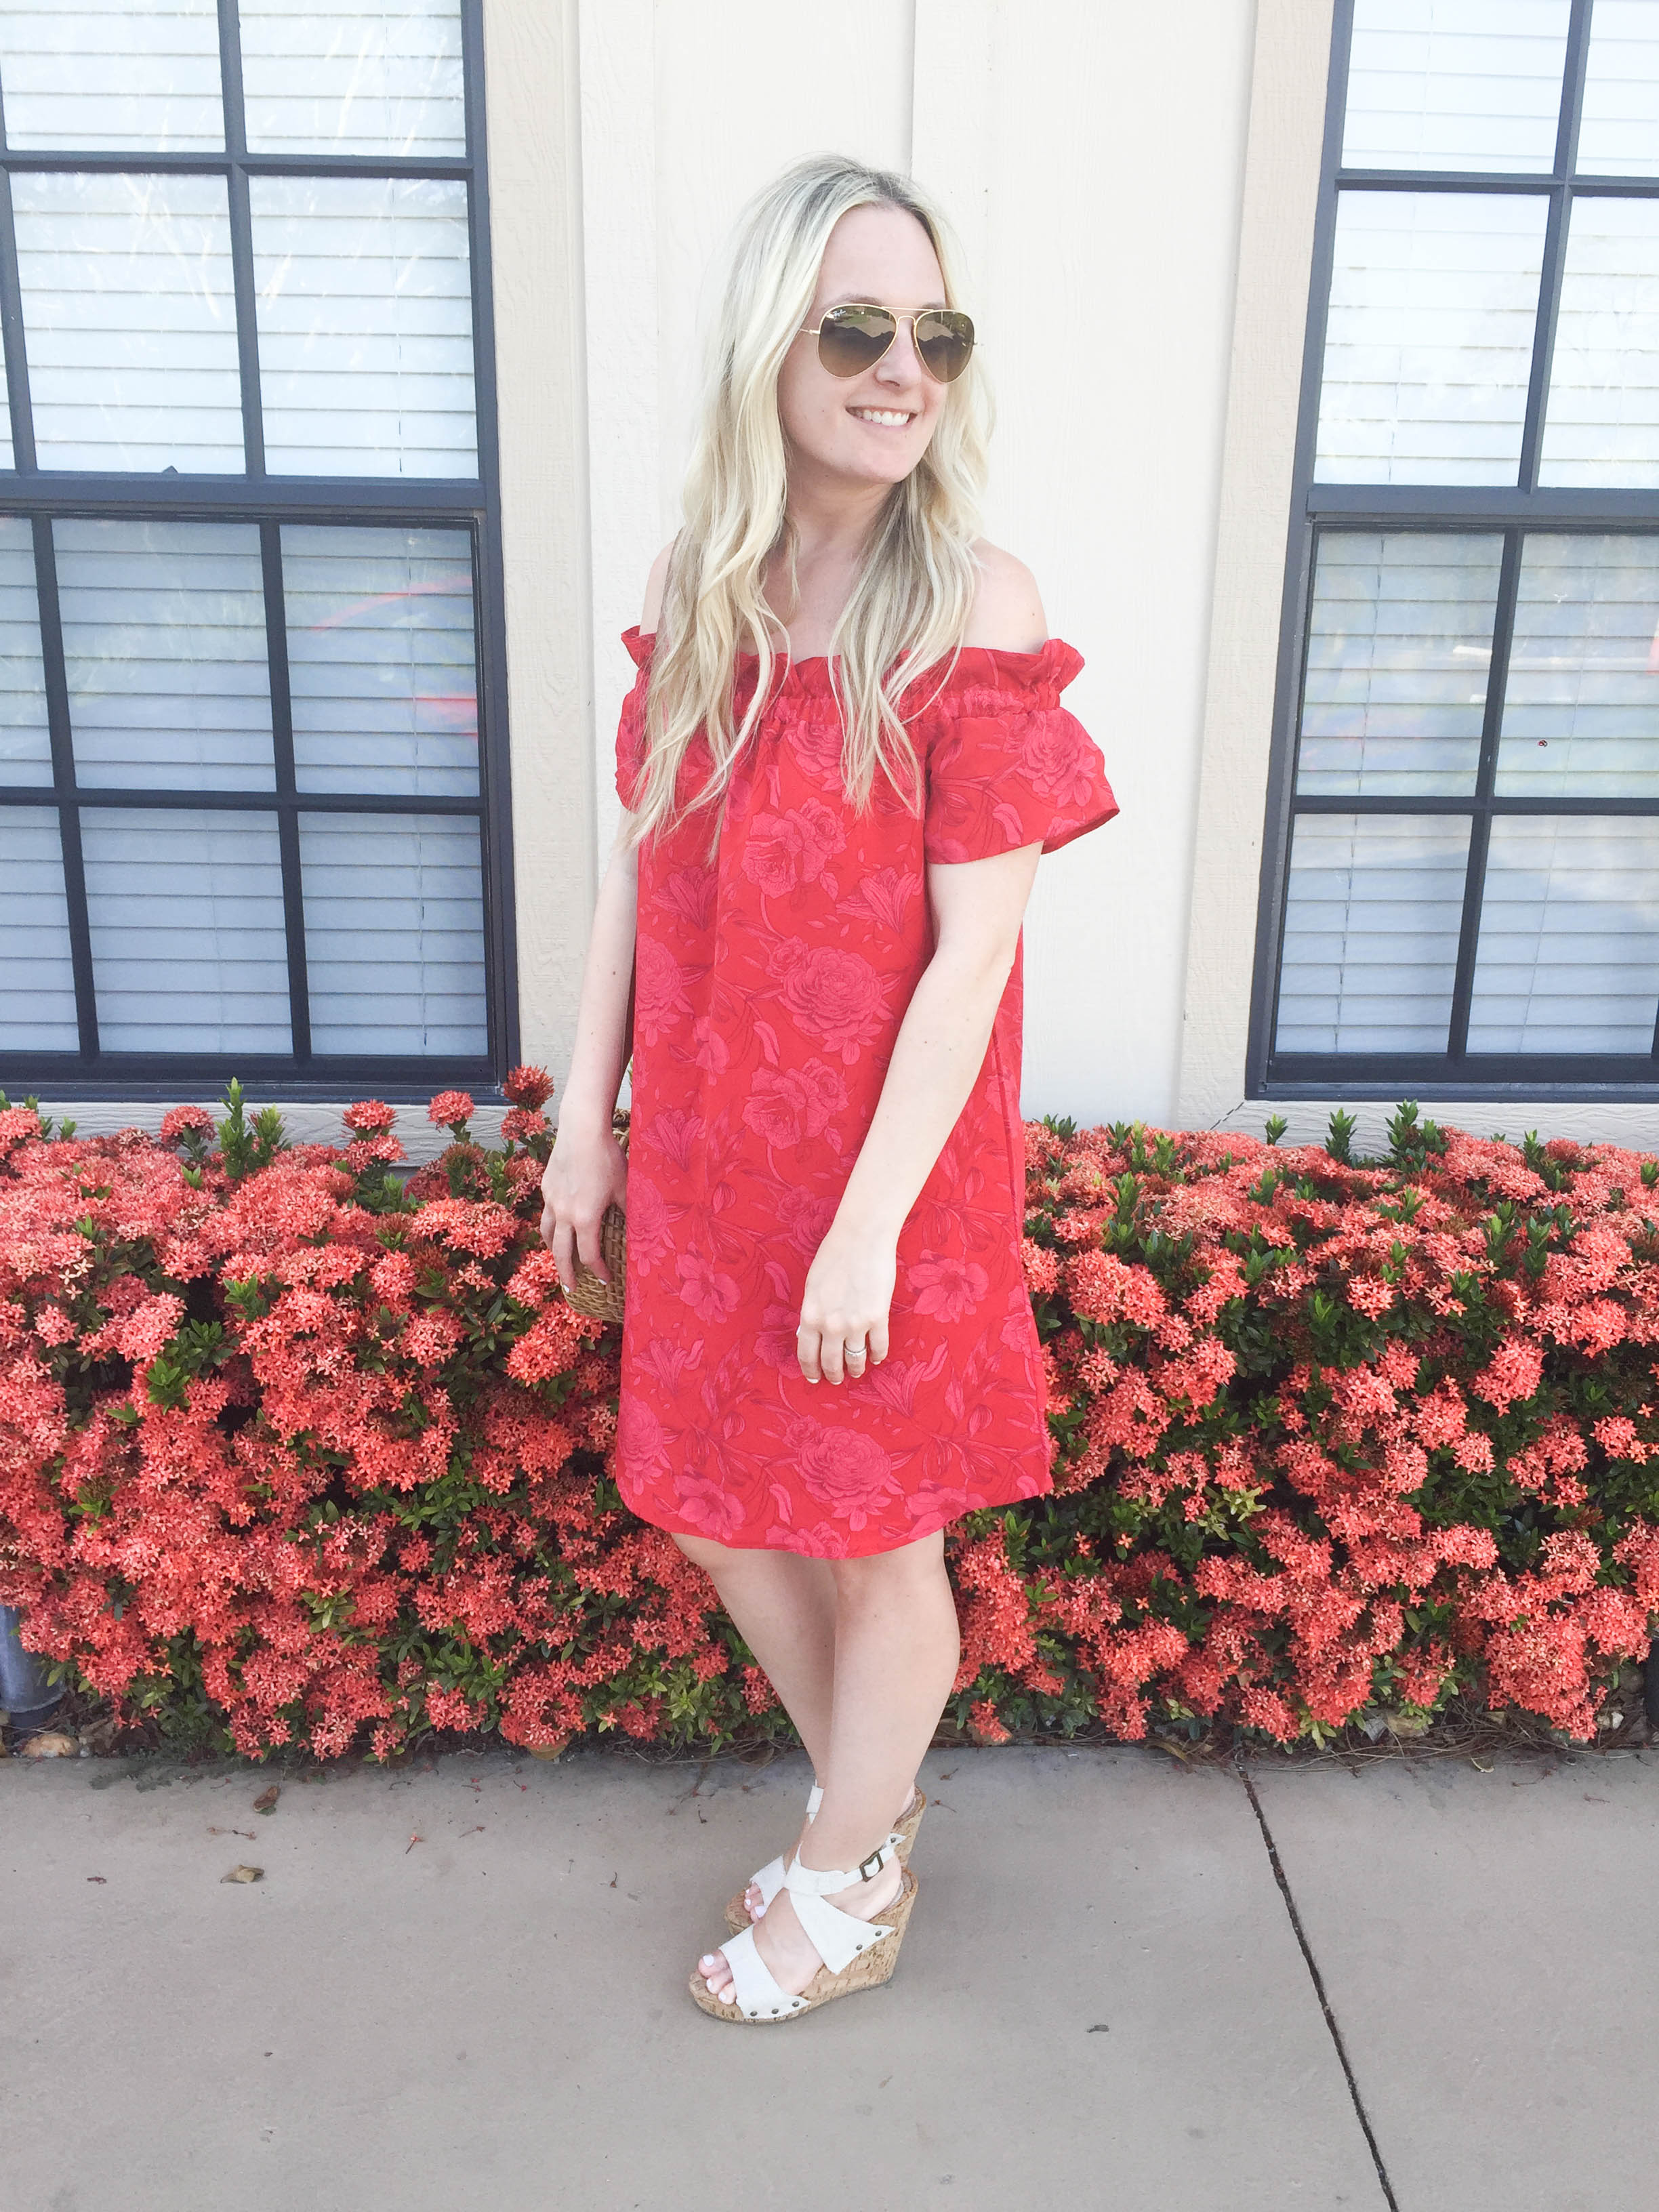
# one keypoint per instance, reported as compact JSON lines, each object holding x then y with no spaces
{"x":841,"y":759}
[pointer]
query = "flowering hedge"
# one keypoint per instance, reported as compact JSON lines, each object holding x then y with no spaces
{"x":294,"y":1451}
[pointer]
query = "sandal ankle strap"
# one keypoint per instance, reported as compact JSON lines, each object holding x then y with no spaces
{"x":818,"y":1881}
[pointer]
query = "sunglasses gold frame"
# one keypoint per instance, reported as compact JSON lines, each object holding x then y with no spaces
{"x":848,"y":306}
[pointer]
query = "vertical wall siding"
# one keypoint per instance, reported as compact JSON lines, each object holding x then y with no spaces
{"x":1090,"y":156}
{"x":1095,"y":156}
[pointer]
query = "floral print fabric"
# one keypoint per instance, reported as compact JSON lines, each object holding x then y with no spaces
{"x":768,"y":990}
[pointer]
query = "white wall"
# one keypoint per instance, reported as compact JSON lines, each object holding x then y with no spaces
{"x":1091,"y":154}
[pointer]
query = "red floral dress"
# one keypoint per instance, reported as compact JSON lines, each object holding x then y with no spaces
{"x":768,"y":992}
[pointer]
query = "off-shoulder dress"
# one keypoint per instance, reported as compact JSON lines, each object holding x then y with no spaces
{"x":768,"y":992}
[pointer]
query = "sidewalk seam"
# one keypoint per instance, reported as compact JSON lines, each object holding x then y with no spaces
{"x":1318,"y":1979}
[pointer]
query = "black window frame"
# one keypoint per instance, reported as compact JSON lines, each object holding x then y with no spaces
{"x":428,"y":502}
{"x":1317,"y":508}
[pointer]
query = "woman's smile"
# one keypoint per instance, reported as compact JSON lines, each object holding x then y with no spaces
{"x":884,"y":418}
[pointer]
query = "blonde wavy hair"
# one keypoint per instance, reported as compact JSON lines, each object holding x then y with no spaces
{"x":909,"y":608}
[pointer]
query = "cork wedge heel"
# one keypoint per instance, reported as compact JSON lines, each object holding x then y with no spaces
{"x":857,"y":1954}
{"x":768,"y":1879}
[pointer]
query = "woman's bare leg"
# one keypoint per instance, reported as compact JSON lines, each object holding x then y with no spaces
{"x":897,"y":1647}
{"x":784,"y":1607}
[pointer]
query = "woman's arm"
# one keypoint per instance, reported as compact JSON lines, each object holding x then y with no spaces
{"x":588,"y":1169}
{"x":978,"y":907}
{"x":601,"y":1047}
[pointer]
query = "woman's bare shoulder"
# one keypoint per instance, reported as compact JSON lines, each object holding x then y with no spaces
{"x":655,"y":585}
{"x":1007,"y":613}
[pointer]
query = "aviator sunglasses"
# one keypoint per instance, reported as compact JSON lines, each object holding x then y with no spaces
{"x":853,"y":338}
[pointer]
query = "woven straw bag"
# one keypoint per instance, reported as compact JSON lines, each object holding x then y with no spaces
{"x":592,"y":1294}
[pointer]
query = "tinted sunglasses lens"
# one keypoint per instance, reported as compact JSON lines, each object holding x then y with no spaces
{"x":944,"y":339}
{"x":853,"y":339}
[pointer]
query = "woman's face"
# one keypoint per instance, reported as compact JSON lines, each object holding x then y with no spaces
{"x":872,"y":429}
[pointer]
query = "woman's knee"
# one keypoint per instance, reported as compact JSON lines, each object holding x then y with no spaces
{"x":704,"y":1553}
{"x":920,"y":1565}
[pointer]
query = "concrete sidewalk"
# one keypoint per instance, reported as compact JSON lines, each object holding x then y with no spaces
{"x":462,"y":1986}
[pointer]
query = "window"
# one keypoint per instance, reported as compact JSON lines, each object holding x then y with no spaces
{"x":1460,"y":889}
{"x":252,"y":795}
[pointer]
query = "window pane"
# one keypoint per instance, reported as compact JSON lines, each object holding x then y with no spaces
{"x":104,"y":75}
{"x":353,"y":80}
{"x":1582,"y":711}
{"x":1603,"y":422}
{"x":164,"y":641}
{"x":188,"y":951}
{"x":394,"y":934}
{"x":1455,"y":84}
{"x":380,"y":664}
{"x":1434,"y":297}
{"x":1569,"y":956}
{"x":37,"y":987}
{"x":365,"y":325}
{"x":25,"y":743}
{"x":1619,"y":131}
{"x":131,"y":321}
{"x":1398,"y":645}
{"x":1373,"y":914}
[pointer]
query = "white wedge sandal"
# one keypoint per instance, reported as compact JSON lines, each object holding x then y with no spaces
{"x":768,"y":1879}
{"x":857,"y":1954}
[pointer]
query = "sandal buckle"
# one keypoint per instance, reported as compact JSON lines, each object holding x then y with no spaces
{"x":870,"y":1868}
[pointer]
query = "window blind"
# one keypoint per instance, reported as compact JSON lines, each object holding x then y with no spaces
{"x":1603,"y":422}
{"x":1619,"y":132}
{"x":1371,"y":922}
{"x":255,"y":828}
{"x":37,"y":982}
{"x":186,"y":921}
{"x":1569,"y":954}
{"x":380,"y":659}
{"x":25,"y":739}
{"x":107,"y":75}
{"x":1399,"y":646}
{"x":164,"y":650}
{"x":129,"y":320}
{"x":1464,"y":886}
{"x":394,"y":933}
{"x":365,"y":325}
{"x":380,"y":79}
{"x":1581,"y":714}
{"x":1428,"y":346}
{"x":1455,"y":84}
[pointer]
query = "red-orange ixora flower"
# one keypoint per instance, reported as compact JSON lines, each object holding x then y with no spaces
{"x":372,"y":1117}
{"x":528,"y":1086}
{"x":180,"y":1122}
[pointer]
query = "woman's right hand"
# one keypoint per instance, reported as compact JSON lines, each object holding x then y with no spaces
{"x":588,"y":1171}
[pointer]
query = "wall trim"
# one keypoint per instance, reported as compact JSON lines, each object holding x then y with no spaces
{"x":535,"y":221}
{"x":1275,"y":264}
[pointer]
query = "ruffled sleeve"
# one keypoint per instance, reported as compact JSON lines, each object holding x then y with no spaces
{"x":1007,"y":765}
{"x":630,"y":729}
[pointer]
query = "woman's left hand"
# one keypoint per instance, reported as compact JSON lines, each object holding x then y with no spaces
{"x":843,"y":1312}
